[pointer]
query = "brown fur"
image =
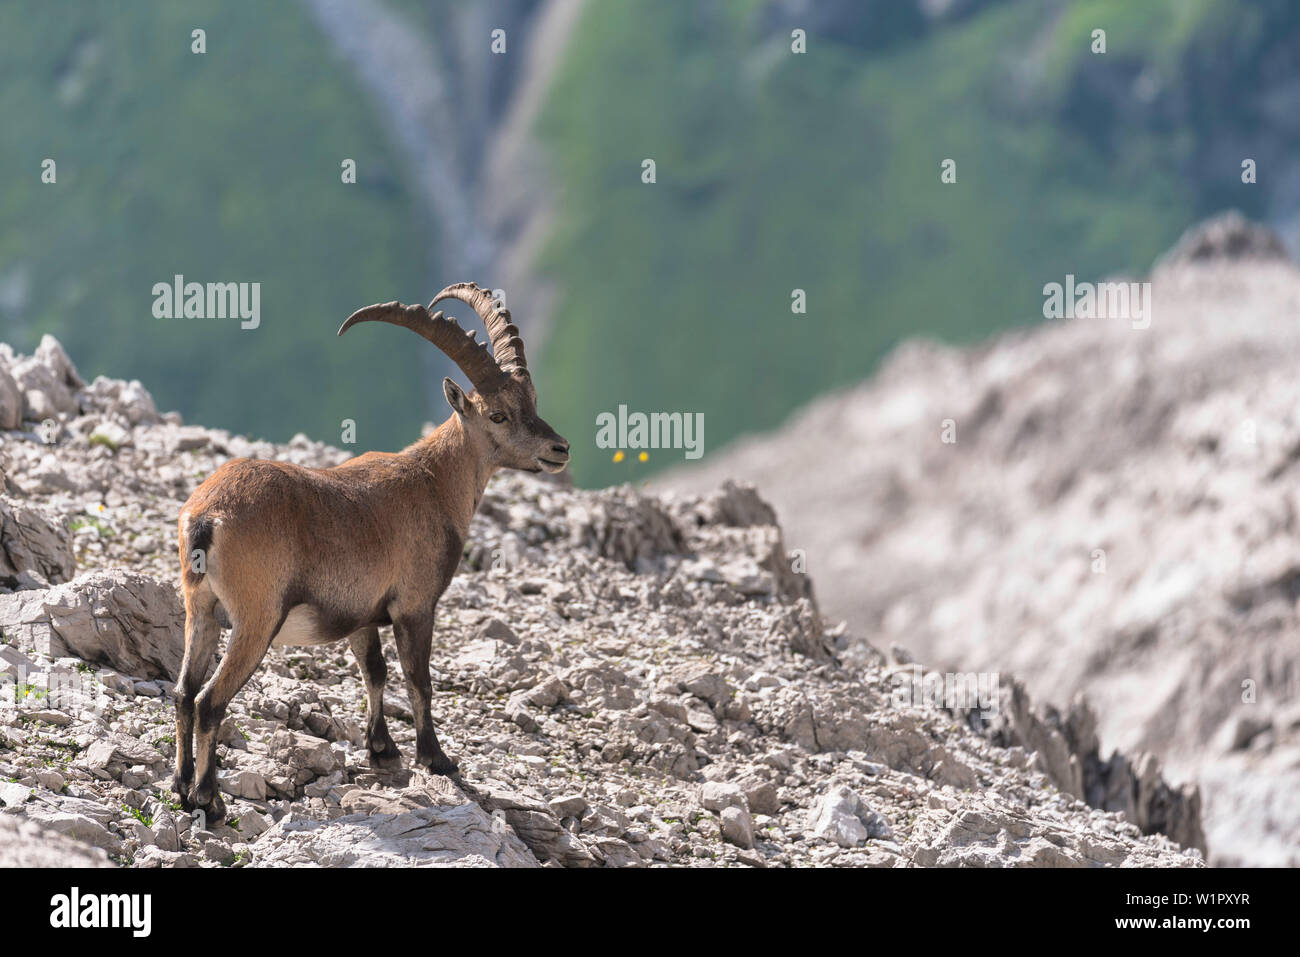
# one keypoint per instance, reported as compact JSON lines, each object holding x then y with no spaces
{"x":374,"y":541}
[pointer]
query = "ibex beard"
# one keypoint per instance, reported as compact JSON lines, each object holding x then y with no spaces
{"x":287,"y":555}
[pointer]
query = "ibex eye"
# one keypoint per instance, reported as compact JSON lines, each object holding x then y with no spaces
{"x":498,"y":417}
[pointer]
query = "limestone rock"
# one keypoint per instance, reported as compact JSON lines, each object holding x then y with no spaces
{"x":25,"y":843}
{"x":35,"y":547}
{"x":128,"y":621}
{"x":460,"y":836}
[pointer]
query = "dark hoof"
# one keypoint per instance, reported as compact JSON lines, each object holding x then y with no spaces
{"x":215,"y":812}
{"x":389,"y":759}
{"x":181,"y":788}
{"x":211,"y":804}
{"x":441,"y":764}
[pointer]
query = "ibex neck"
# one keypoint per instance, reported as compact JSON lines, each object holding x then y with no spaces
{"x":457,"y":467}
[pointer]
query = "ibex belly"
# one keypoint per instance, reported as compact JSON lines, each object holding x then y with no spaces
{"x":302,"y":626}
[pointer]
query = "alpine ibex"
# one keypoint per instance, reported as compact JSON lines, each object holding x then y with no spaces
{"x":288,"y":555}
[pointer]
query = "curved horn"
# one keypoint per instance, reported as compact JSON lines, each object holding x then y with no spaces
{"x":472,"y":357}
{"x":507,"y":347}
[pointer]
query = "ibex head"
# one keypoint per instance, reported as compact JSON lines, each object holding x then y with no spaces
{"x":500,"y":413}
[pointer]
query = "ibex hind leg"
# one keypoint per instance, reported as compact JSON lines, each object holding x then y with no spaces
{"x":249,"y":641}
{"x":202,"y":631}
{"x":369,"y":653}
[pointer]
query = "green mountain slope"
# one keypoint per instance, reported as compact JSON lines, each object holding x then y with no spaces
{"x":775,"y":172}
{"x":821,"y":172}
{"x":223,"y":166}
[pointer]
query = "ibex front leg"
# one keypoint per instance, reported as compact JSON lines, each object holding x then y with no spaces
{"x":414,"y":642}
{"x":374,"y":672}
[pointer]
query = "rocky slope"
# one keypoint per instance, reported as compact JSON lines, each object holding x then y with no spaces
{"x":625,"y":680}
{"x":1117,"y":515}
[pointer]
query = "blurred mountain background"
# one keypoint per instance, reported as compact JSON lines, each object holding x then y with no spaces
{"x":775,"y":171}
{"x":1118,"y":517}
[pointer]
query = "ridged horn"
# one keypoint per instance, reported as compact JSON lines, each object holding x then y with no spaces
{"x":507,"y":347}
{"x":472,"y":357}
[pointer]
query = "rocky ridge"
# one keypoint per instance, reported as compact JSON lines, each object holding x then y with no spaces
{"x":1117,"y":515}
{"x":625,"y":680}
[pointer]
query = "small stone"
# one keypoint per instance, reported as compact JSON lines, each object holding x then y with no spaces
{"x":836,"y":818}
{"x":14,"y":795}
{"x":548,"y":693}
{"x":699,"y":717}
{"x":51,"y":780}
{"x":669,"y":707}
{"x":761,"y":796}
{"x":142,"y":834}
{"x":498,"y":630}
{"x":219,"y":851}
{"x":111,"y":435}
{"x":154,"y":856}
{"x":877,"y":825}
{"x":191,"y":437}
{"x":253,"y":824}
{"x":520,"y":715}
{"x":737,"y":826}
{"x":243,"y":784}
{"x":572,"y":805}
{"x":165,"y":834}
{"x":751,"y":857}
{"x":717,"y":795}
{"x":303,"y":753}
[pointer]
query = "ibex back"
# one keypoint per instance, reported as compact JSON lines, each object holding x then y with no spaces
{"x":288,"y":555}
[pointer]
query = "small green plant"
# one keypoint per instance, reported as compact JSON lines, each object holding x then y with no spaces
{"x":29,"y":690}
{"x":86,"y":521}
{"x":139,"y":814}
{"x":100,"y":439}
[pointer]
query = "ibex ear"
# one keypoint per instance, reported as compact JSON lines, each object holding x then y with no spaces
{"x":455,"y":397}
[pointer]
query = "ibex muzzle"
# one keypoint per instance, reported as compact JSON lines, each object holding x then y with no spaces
{"x":297,"y":556}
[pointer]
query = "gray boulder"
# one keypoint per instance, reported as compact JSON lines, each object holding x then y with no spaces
{"x":843,"y":817}
{"x":24,"y":843}
{"x":451,"y":834}
{"x":35,"y":547}
{"x":48,"y":381}
{"x":11,"y":401}
{"x":132,"y":623}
